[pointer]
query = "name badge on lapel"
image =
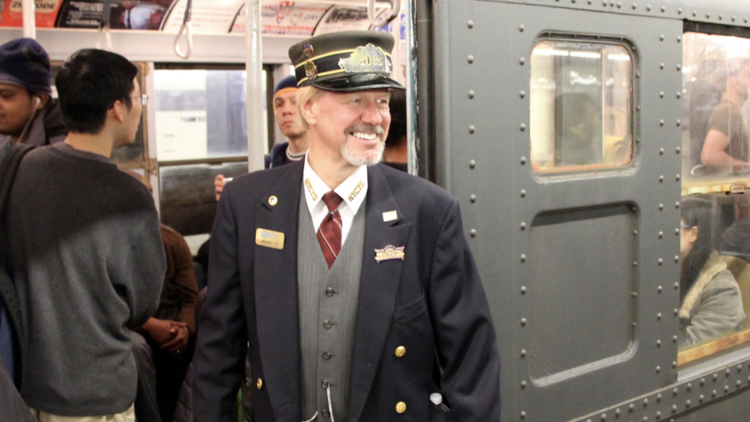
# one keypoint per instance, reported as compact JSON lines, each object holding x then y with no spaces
{"x":269,"y":238}
{"x":388,"y":253}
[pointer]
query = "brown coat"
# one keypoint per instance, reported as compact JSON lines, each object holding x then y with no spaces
{"x":180,"y":290}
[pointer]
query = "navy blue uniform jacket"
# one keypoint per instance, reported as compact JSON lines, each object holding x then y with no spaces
{"x":432,"y":303}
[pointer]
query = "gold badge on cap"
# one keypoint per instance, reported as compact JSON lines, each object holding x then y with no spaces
{"x":273,"y":200}
{"x":269,"y":238}
{"x":388,"y":253}
{"x":311,"y":70}
{"x":366,"y":59}
{"x":308,"y":50}
{"x":390,"y":216}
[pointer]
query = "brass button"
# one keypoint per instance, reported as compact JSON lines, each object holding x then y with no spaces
{"x":260,"y":384}
{"x":329,"y":292}
{"x":273,"y":200}
{"x":400,"y":351}
{"x":401,"y":407}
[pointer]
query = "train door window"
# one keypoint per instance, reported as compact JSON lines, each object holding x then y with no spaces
{"x":716,"y":140}
{"x":580,"y":106}
{"x":715,"y":207}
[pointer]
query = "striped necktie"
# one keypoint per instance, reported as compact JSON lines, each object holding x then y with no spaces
{"x":329,"y":233}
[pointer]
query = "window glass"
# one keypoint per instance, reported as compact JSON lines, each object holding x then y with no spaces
{"x":201,"y":113}
{"x":715,"y":273}
{"x":716,"y":80}
{"x":581,"y":100}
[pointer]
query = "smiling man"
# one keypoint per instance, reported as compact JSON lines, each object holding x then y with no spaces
{"x":352,"y":282}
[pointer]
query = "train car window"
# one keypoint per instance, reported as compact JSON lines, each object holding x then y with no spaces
{"x":715,"y":274}
{"x":716,"y":80}
{"x":581,"y":100}
{"x":201,"y":113}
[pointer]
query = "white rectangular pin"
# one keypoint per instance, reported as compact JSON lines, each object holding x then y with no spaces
{"x":390,"y":216}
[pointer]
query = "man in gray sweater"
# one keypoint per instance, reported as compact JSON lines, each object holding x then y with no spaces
{"x":88,"y":260}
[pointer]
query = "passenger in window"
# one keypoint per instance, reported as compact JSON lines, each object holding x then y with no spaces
{"x":578,"y":138}
{"x":163,"y":346}
{"x":735,"y":241}
{"x":87,"y":257}
{"x":702,"y":96}
{"x":726,"y":145}
{"x":290,"y":124}
{"x":396,"y":152}
{"x":711,"y":305}
{"x":28,"y":113}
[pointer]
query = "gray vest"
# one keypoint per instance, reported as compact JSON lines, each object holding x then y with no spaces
{"x":328,"y":314}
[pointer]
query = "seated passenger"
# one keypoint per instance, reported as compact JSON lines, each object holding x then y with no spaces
{"x":735,"y":241}
{"x":710,"y":297}
{"x":163,"y":347}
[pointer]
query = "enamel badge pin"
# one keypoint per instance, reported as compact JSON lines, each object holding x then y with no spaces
{"x":388,"y":253}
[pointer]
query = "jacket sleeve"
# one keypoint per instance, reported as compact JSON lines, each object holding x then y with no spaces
{"x":720,"y":312}
{"x":465,"y":337}
{"x":144,"y":271}
{"x":222,"y":335}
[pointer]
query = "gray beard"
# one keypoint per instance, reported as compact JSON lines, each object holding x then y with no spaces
{"x":362,"y":161}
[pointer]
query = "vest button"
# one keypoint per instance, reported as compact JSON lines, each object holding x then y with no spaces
{"x":260,"y":384}
{"x":324,"y":384}
{"x":401,"y":407}
{"x":400,"y":351}
{"x":327,"y":323}
{"x":326,"y":355}
{"x":326,"y":413}
{"x":329,"y":292}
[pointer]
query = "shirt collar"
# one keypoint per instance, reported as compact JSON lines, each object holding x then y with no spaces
{"x":353,"y":190}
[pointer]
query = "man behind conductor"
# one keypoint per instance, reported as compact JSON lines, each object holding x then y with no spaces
{"x":352,"y":282}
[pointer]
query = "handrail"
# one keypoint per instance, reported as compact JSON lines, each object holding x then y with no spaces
{"x":382,"y":21}
{"x":185,"y":28}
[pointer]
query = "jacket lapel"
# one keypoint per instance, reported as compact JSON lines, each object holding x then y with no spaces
{"x":378,"y":286}
{"x":276,"y":300}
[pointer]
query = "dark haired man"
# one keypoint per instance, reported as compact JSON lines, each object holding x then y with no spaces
{"x":88,"y":260}
{"x":27,"y":112}
{"x":352,"y":282}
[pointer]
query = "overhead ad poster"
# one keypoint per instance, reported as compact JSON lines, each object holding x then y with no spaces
{"x":208,"y":16}
{"x":141,"y":14}
{"x":346,"y":18}
{"x":11,"y":14}
{"x":285,"y":18}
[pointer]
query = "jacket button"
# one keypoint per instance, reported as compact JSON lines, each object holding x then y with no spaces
{"x":400,"y":351}
{"x":401,"y":407}
{"x":329,"y":292}
{"x":326,"y":413}
{"x":259,"y":384}
{"x":327,"y":323}
{"x":326,"y":355}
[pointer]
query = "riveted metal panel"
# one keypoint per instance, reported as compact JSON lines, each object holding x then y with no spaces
{"x":482,"y":52}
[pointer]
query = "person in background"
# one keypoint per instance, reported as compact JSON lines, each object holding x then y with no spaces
{"x":285,"y":111}
{"x":28,"y":113}
{"x":163,"y":346}
{"x":86,"y":254}
{"x":711,"y":304}
{"x":396,"y":153}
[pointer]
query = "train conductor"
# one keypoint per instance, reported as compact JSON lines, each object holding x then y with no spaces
{"x":351,"y":283}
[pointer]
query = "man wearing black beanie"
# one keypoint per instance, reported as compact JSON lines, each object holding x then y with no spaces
{"x":28,"y":113}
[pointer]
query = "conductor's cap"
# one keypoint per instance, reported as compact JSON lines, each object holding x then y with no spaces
{"x":345,"y":61}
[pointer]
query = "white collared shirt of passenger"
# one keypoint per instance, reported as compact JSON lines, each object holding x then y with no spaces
{"x":353,"y":190}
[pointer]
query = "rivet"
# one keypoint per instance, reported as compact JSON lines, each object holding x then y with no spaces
{"x":726,"y":388}
{"x":658,"y":316}
{"x":661,"y":207}
{"x":523,"y":160}
{"x":679,"y":39}
{"x":658,"y":289}
{"x":645,"y":419}
{"x":631,"y":407}
{"x":701,"y":398}
{"x":661,"y":65}
{"x":687,"y":403}
{"x":660,"y":261}
{"x":713,"y":393}
{"x":637,"y":140}
{"x":703,"y":381}
{"x":473,"y":232}
{"x":523,"y":321}
{"x":635,"y":232}
{"x":658,"y":343}
{"x":675,"y":391}
{"x":645,"y":402}
{"x":674,"y":364}
{"x":638,"y":108}
{"x":637,"y":74}
{"x":523,"y":353}
{"x":635,"y":263}
{"x":678,"y":122}
{"x":745,"y":20}
{"x":679,"y":94}
{"x":676,"y":258}
{"x":523,"y":384}
{"x":521,"y":61}
{"x":661,"y":122}
{"x":523,"y":415}
{"x":674,"y":339}
{"x":675,"y":310}
{"x":734,"y":18}
{"x":472,"y":129}
{"x":470,"y":23}
{"x":470,"y":59}
{"x":663,"y":8}
{"x":661,"y":94}
{"x":619,"y":4}
{"x":695,"y":13}
{"x":523,"y":259}
{"x":472,"y":164}
{"x":523,"y":193}
{"x":473,"y":198}
{"x":678,"y":150}
{"x":522,"y":94}
{"x":716,"y":376}
{"x":721,"y":17}
{"x":617,"y":412}
{"x":604,"y":3}
{"x":661,"y":151}
{"x":674,"y":408}
{"x":522,"y":127}
{"x":634,"y":6}
{"x":727,"y":373}
{"x":523,"y":290}
{"x":523,"y":226}
{"x":739,"y":368}
{"x":661,"y":234}
{"x":648,"y":7}
{"x":589,"y":2}
{"x":679,"y":67}
{"x":604,"y":416}
{"x":471,"y":93}
{"x":676,"y":285}
{"x":708,"y":15}
{"x":658,"y":414}
{"x":689,"y":386}
{"x":521,"y":28}
{"x":679,"y":11}
{"x":661,"y":178}
{"x":739,"y":383}
{"x":677,"y":177}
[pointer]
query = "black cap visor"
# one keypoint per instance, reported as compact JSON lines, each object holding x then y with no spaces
{"x":355,"y":82}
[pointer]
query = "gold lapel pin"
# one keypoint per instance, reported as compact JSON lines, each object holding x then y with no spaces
{"x":273,"y":200}
{"x":390,"y":216}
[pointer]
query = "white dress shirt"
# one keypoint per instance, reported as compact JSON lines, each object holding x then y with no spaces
{"x":353,"y":190}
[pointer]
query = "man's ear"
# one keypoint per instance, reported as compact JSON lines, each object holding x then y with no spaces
{"x":118,"y":110}
{"x":308,"y":111}
{"x":40,"y":100}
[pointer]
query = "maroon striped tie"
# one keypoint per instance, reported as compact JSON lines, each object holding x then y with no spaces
{"x":329,"y":233}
